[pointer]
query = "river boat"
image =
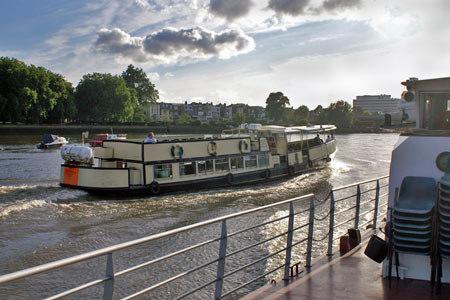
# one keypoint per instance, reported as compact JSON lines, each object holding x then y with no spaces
{"x":249,"y":154}
{"x":100,"y":137}
{"x":51,"y":141}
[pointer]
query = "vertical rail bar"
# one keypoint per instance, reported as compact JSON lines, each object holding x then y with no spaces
{"x":358,"y":206}
{"x":289,"y":242}
{"x":108,"y":289}
{"x":331,"y":226}
{"x":221,"y":263}
{"x":310,"y":232}
{"x":377,"y":202}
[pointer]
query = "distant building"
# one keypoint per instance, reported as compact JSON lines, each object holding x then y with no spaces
{"x":154,"y":111}
{"x":203,"y":111}
{"x":384,"y":104}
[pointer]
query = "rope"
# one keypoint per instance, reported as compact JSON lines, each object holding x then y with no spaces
{"x":321,"y":202}
{"x":320,"y":240}
{"x":324,"y":217}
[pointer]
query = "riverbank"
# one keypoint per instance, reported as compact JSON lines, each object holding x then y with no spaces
{"x":93,"y":129}
{"x":159,"y":129}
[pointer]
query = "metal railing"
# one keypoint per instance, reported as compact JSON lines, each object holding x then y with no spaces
{"x":370,"y":204}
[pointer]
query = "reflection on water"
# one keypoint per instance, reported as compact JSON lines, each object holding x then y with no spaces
{"x":42,"y":222}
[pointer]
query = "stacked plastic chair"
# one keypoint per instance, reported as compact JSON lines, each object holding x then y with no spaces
{"x":412,"y":220}
{"x":444,"y":218}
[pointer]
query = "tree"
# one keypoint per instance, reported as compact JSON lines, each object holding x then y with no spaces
{"x":104,"y":98}
{"x":30,"y":93}
{"x":136,"y":79}
{"x":338,"y":113}
{"x":238,"y":118}
{"x":301,"y":115}
{"x":275,"y":104}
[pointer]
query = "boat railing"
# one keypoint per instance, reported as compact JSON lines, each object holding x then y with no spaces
{"x":267,"y":247}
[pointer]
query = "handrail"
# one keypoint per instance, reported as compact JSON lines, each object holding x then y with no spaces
{"x":104,"y":251}
{"x":362,"y":207}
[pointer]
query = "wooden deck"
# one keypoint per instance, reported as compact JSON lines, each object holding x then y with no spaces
{"x":352,"y":276}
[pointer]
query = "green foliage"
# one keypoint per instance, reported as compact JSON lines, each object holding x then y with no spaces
{"x":104,"y":98}
{"x":136,"y":79}
{"x":339,"y":113}
{"x":29,"y":93}
{"x":140,"y":114}
{"x":238,"y":118}
{"x":275,"y":104}
{"x":185,"y":119}
{"x":301,"y":115}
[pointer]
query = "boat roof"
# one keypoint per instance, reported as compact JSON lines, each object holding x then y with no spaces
{"x":297,"y":129}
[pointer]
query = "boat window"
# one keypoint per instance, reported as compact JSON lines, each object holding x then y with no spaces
{"x":162,"y":171}
{"x":237,"y":163}
{"x":205,"y":167}
{"x":263,"y":160}
{"x":436,"y":110}
{"x":250,"y":161}
{"x":187,"y":169}
{"x":222,"y":165}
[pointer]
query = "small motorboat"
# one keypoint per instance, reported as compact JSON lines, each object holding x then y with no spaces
{"x":51,"y":141}
{"x":99,"y":138}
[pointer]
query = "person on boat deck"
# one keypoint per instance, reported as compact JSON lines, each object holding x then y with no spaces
{"x":329,"y":139}
{"x":150,"y":138}
{"x":318,"y":140}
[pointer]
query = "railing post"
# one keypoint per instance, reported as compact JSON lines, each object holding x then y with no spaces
{"x":310,"y":232}
{"x":108,"y":289}
{"x":331,"y":226}
{"x":358,"y":206}
{"x":377,"y":202}
{"x":221,"y":263}
{"x":289,"y":242}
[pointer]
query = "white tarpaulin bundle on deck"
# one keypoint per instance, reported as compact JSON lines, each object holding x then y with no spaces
{"x":79,"y":154}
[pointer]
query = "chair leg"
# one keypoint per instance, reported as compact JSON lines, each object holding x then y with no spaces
{"x":397,"y":263}
{"x":390,"y":249}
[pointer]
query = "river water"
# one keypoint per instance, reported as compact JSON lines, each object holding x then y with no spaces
{"x":41,"y":222}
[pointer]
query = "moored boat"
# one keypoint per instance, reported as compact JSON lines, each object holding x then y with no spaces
{"x":100,"y":137}
{"x":51,"y":141}
{"x":251,"y":153}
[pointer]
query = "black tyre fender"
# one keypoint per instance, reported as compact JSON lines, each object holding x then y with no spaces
{"x":291,"y":170}
{"x":310,"y":163}
{"x":230,"y":178}
{"x":212,"y":148}
{"x":328,"y":159}
{"x":267,"y":173}
{"x":155,"y":188}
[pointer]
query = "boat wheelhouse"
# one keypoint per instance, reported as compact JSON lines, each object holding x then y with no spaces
{"x":252,"y":153}
{"x":419,"y":187}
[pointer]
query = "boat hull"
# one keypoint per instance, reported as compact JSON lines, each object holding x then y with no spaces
{"x":122,"y":187}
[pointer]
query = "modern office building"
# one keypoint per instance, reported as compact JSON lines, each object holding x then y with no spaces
{"x":384,"y":104}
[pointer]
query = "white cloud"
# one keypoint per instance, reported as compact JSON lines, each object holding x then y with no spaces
{"x":175,"y":45}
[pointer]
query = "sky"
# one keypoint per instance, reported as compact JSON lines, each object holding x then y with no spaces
{"x":237,"y":51}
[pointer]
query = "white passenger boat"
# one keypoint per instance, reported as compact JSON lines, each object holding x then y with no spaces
{"x":251,"y":153}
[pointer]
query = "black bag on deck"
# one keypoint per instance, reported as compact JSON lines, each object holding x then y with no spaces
{"x":376,"y":249}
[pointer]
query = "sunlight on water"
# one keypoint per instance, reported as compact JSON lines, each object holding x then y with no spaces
{"x":20,"y":206}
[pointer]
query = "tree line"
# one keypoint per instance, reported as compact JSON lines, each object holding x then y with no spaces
{"x":339,"y":113}
{"x":35,"y":95}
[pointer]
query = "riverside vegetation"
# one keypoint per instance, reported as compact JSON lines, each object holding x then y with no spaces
{"x":35,"y":95}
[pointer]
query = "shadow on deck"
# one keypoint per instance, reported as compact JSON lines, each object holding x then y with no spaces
{"x":352,"y":276}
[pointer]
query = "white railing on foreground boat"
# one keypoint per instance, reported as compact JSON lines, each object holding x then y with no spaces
{"x":370,"y":203}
